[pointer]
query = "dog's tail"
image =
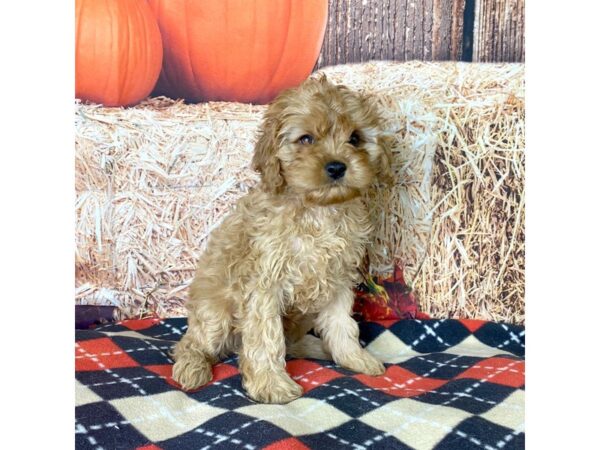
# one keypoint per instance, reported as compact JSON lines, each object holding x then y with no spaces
{"x":308,"y":346}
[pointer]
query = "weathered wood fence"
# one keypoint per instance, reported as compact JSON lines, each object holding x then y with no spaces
{"x":429,"y":30}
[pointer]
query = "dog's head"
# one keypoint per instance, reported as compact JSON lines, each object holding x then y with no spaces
{"x":322,"y":142}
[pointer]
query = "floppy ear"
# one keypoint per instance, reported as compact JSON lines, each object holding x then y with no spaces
{"x":384,"y":169}
{"x":265,"y":158}
{"x":385,"y":140}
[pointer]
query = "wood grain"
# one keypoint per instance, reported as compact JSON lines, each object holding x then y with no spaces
{"x":499,"y":31}
{"x":447,"y":29}
{"x":429,"y":30}
{"x":400,"y":30}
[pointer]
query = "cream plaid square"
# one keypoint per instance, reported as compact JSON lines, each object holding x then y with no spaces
{"x":302,"y":416}
{"x":84,"y":395}
{"x":166,"y":415}
{"x":389,"y":349}
{"x":510,"y":413}
{"x":417,"y":424}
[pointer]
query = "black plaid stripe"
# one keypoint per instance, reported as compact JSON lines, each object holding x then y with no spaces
{"x":446,"y":365}
{"x":226,"y":394}
{"x":350,"y":396}
{"x":430,"y":336}
{"x":86,"y":335}
{"x":476,"y":433}
{"x":99,"y":425}
{"x":228,"y":431}
{"x":123,"y":382}
{"x":353,"y":435}
{"x":503,"y":336}
{"x":369,"y":331}
{"x":146,"y":352}
{"x":472,"y":396}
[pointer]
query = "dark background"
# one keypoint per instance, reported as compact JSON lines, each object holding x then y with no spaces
{"x":428,"y":30}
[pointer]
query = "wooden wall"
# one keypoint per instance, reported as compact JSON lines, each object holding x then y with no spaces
{"x":499,"y":31}
{"x":430,"y":30}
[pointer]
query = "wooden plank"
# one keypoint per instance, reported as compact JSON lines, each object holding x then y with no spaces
{"x":447,"y":29}
{"x":427,"y":27}
{"x":456,"y":29}
{"x":499,"y":31}
{"x":401,"y":30}
{"x":400,"y":25}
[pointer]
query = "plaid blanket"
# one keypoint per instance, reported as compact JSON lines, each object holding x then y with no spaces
{"x":449,"y":384}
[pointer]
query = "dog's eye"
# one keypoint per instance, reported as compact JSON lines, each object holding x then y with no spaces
{"x":306,"y":139}
{"x":354,"y":139}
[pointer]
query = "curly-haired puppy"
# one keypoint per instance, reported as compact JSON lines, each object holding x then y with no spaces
{"x":285,"y":260}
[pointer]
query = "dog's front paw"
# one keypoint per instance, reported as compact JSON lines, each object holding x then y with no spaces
{"x":363,"y":362}
{"x":191,"y":372}
{"x":273,"y":387}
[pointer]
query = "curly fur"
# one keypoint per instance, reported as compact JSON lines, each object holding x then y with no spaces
{"x":285,"y":260}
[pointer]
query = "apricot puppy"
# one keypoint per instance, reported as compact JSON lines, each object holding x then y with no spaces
{"x":285,"y":260}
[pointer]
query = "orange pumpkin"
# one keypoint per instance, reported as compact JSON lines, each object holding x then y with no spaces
{"x":237,"y":50}
{"x":118,"y":51}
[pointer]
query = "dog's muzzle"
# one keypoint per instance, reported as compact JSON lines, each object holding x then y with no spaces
{"x":335,"y":169}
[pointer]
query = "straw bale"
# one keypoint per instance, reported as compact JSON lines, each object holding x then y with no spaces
{"x":152,"y":181}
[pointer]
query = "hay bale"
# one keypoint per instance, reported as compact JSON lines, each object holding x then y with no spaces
{"x":154,"y":180}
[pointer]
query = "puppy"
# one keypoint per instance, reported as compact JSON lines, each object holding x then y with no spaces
{"x":285,"y":260}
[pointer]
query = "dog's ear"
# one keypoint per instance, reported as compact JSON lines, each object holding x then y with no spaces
{"x":265,"y":158}
{"x":385,"y":140}
{"x":384,"y":169}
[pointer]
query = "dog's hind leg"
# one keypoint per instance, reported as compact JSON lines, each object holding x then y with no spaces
{"x":308,"y":346}
{"x":295,"y":326}
{"x":299,"y":344}
{"x":208,"y":337}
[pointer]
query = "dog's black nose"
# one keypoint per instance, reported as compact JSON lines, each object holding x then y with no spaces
{"x":335,"y":169}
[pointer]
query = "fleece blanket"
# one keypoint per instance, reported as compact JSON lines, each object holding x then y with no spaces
{"x":449,"y":384}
